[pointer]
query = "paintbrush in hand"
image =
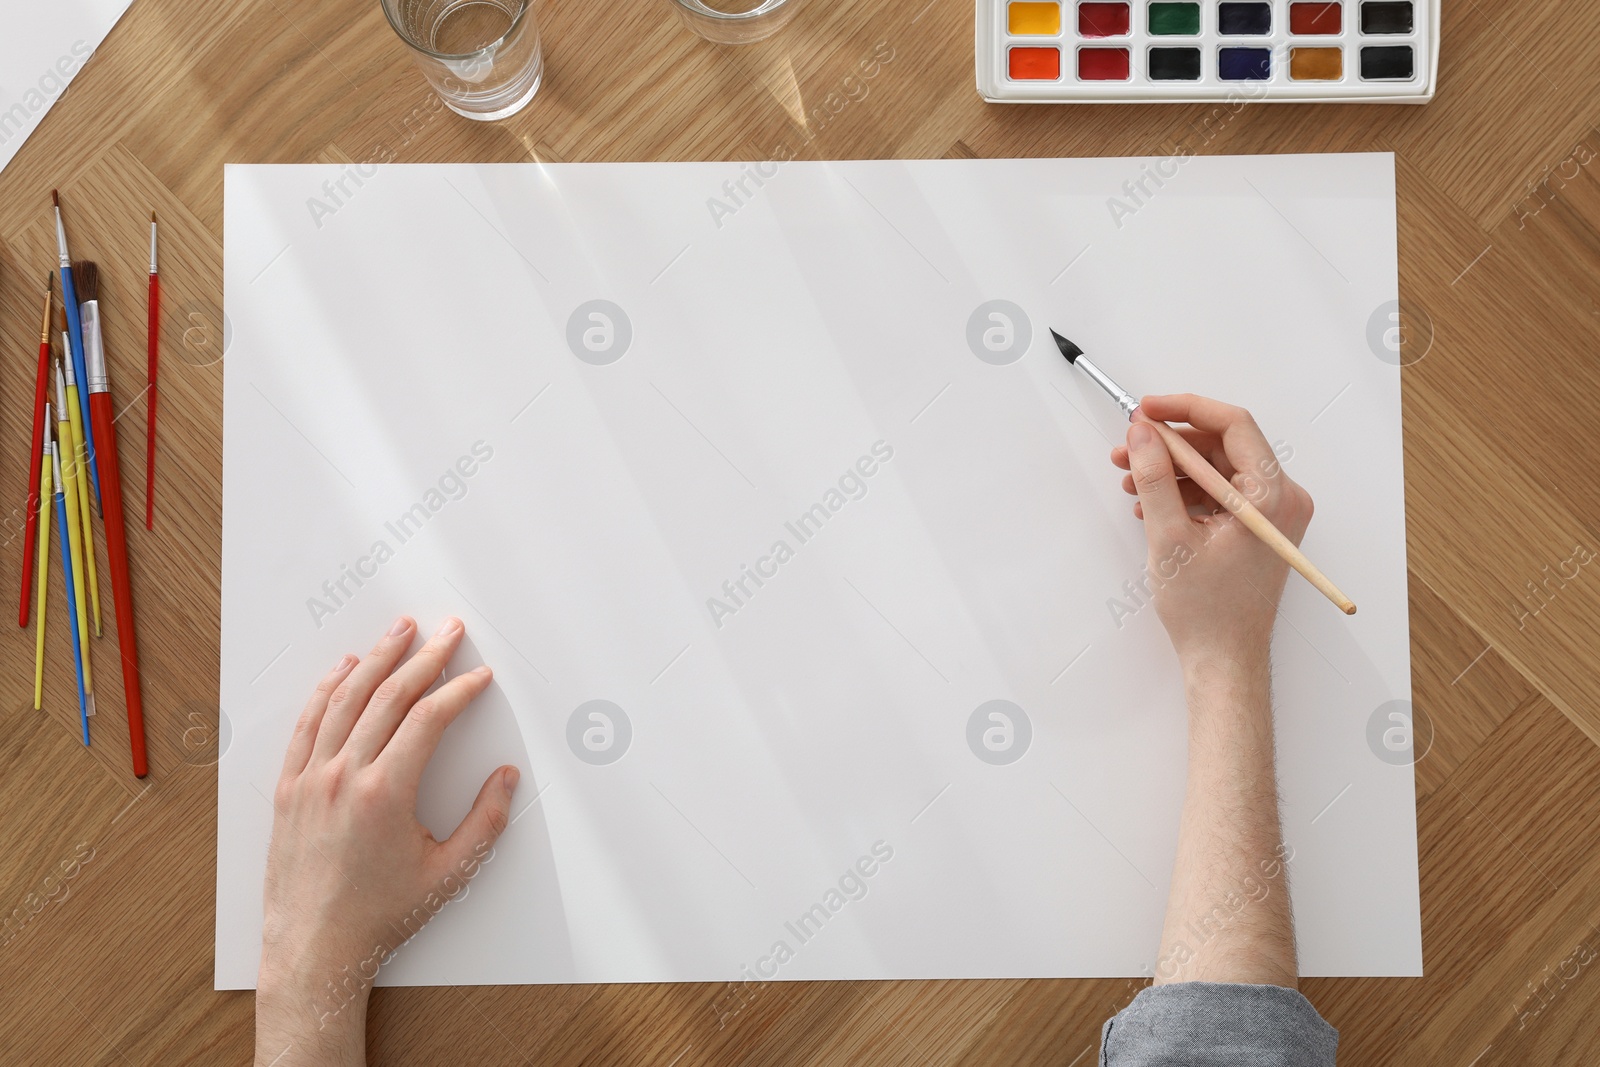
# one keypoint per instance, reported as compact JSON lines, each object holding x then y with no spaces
{"x":1207,"y":477}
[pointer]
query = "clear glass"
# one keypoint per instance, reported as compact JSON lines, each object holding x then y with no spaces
{"x":736,"y":21}
{"x":481,"y":56}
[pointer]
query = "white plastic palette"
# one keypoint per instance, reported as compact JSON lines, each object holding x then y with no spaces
{"x":1153,"y":51}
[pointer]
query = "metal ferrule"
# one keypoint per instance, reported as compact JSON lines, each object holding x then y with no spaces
{"x":61,"y":241}
{"x":45,"y":447}
{"x":61,"y":390}
{"x":94,"y":350}
{"x":1124,"y":399}
{"x":152,"y":248}
{"x":55,"y":471}
{"x":66,"y":347}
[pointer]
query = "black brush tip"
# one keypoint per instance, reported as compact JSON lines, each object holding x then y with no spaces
{"x":1068,"y":349}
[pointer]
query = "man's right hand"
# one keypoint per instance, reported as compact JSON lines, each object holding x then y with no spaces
{"x":1216,"y":585}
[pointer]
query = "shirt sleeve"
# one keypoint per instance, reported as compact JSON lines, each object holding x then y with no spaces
{"x":1215,"y":1024}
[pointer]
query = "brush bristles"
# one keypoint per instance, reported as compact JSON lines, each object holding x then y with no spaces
{"x":1068,"y":349}
{"x":61,"y":321}
{"x":87,"y":278}
{"x":55,"y":198}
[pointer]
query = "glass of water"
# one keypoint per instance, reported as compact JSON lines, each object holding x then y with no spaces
{"x":481,"y":56}
{"x":736,"y":21}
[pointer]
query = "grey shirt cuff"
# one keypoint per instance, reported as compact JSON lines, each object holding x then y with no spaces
{"x":1215,"y":1024}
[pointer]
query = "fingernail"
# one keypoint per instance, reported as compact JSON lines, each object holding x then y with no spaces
{"x":483,"y":670}
{"x":1140,"y":435}
{"x":512,"y":777}
{"x":401,"y":625}
{"x":345,"y":662}
{"x":448,"y":627}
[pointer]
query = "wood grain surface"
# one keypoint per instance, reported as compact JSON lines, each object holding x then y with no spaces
{"x":107,"y":883}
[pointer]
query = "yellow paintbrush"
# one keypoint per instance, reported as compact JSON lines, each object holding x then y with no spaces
{"x":78,"y":452}
{"x":44,"y":560}
{"x":69,"y":488}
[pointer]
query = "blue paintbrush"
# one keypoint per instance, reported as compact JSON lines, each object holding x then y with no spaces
{"x":84,"y":699}
{"x":69,"y":297}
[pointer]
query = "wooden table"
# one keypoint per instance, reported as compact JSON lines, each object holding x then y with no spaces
{"x":1500,"y":273}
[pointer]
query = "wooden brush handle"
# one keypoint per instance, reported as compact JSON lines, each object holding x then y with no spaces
{"x":1208,"y":478}
{"x":122,"y":589}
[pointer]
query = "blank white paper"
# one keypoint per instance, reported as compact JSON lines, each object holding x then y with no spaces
{"x":756,"y":501}
{"x":41,"y":51}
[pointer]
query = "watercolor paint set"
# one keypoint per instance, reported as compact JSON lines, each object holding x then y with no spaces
{"x":1155,"y":51}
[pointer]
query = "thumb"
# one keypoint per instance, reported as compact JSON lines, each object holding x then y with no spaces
{"x":488,"y":819}
{"x":1151,"y":465}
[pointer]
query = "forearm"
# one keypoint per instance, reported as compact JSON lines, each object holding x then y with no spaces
{"x":1228,"y":915}
{"x":297,"y":1026}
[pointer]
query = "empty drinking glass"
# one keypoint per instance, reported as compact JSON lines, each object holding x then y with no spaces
{"x":481,"y":56}
{"x":735,"y":21}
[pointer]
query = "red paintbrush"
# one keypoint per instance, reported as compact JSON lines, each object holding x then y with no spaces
{"x":105,"y":436}
{"x":34,"y":468}
{"x":153,"y":360}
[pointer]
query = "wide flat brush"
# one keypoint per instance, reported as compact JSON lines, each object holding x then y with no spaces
{"x":1208,"y":478}
{"x":104,"y":418}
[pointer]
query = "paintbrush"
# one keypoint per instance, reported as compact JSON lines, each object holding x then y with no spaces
{"x":46,"y":456}
{"x":1206,"y":477}
{"x":69,"y":298}
{"x":77,"y":460}
{"x":85,"y":697}
{"x":69,"y":454}
{"x":152,"y":365}
{"x":36,"y":503}
{"x":105,"y":433}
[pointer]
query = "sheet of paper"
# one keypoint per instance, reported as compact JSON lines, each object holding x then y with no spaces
{"x":41,"y":51}
{"x":813,"y":599}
